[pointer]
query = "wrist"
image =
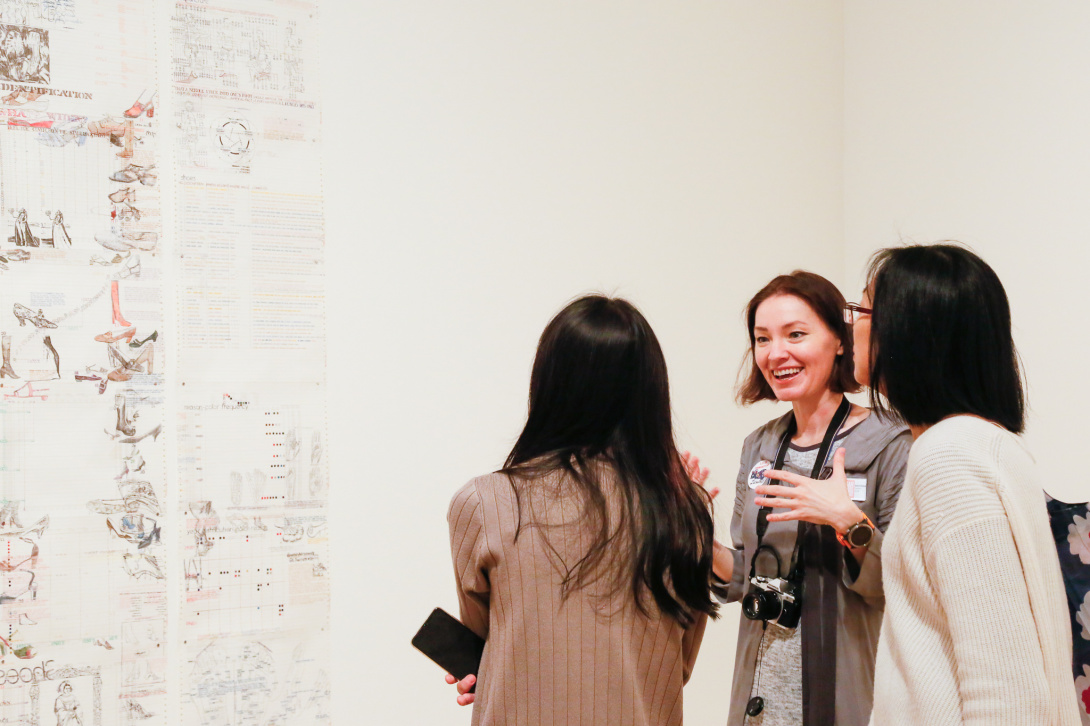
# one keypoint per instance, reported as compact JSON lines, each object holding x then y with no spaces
{"x":850,"y":515}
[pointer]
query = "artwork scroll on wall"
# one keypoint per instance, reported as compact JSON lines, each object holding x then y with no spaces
{"x":164,"y":548}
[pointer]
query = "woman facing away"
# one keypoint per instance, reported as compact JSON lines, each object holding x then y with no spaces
{"x":585,"y":562}
{"x":976,"y":629}
{"x":807,"y":553}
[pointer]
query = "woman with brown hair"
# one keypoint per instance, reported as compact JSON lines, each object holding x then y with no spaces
{"x":806,"y":559}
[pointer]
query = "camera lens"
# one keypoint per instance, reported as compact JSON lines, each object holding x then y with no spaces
{"x":761,"y":605}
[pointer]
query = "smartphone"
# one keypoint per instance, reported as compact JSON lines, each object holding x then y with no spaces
{"x":448,"y":642}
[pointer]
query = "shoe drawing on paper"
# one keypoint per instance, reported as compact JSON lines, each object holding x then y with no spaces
{"x":6,"y":371}
{"x":25,"y":315}
{"x":137,"y":343}
{"x":125,"y":194}
{"x":28,"y":391}
{"x":134,"y":172}
{"x":113,"y":336}
{"x":142,"y":565}
{"x":139,"y":106}
{"x":136,"y":712}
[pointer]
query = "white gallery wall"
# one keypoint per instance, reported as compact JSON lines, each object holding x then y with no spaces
{"x":488,"y":161}
{"x":970,"y":120}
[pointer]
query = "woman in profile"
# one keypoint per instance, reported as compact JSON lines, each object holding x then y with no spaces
{"x":585,"y":561}
{"x":976,"y":628}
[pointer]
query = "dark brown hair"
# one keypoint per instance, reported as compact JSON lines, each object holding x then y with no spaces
{"x":828,"y":304}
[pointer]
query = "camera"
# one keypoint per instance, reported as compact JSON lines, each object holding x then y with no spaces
{"x":773,"y":599}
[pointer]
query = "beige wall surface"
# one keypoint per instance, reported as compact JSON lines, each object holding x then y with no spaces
{"x":969,"y":121}
{"x":486,"y":162}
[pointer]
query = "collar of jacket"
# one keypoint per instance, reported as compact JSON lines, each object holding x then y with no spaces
{"x":868,"y":439}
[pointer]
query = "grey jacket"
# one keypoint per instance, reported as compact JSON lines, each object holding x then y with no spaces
{"x":877,"y":450}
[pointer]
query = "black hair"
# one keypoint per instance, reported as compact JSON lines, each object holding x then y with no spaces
{"x":941,"y":339}
{"x":828,"y":304}
{"x":599,"y":392}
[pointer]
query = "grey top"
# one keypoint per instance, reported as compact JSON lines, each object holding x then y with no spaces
{"x":876,"y":453}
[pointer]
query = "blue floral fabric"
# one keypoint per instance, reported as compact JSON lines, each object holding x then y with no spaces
{"x":1071,"y":528}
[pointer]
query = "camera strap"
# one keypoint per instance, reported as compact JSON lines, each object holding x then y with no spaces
{"x":821,"y":555}
{"x":831,"y":432}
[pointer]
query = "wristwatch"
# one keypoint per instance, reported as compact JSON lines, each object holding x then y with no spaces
{"x":859,"y":534}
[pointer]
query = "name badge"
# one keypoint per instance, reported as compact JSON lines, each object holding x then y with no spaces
{"x":857,"y":488}
{"x":757,"y":473}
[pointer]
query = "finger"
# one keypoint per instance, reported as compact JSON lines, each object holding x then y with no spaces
{"x":774,"y":490}
{"x":713,"y":493}
{"x":451,"y":679}
{"x":685,"y":456}
{"x":838,"y":461}
{"x":776,"y":503}
{"x":467,"y":683}
{"x":466,"y":699}
{"x":785,"y":476}
{"x":784,"y":516}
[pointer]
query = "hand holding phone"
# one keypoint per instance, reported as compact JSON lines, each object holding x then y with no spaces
{"x":452,"y":645}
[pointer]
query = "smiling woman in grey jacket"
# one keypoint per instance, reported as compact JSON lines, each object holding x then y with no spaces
{"x":807,"y":549}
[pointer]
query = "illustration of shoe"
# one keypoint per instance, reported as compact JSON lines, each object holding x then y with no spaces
{"x":118,"y":318}
{"x":100,"y":260}
{"x":123,"y":195}
{"x":143,"y":241}
{"x":111,"y":337}
{"x":154,"y":434}
{"x":135,"y":710}
{"x":6,"y":371}
{"x":53,"y":351}
{"x":112,"y":242}
{"x":28,"y":391}
{"x":16,"y":255}
{"x":139,"y":106}
{"x":102,"y":386}
{"x":24,"y":314}
{"x":81,"y":377}
{"x":138,"y":343}
{"x":130,"y":213}
{"x":142,"y":566}
{"x":130,"y":269}
{"x":24,"y":619}
{"x":133,"y":172}
{"x":24,"y":652}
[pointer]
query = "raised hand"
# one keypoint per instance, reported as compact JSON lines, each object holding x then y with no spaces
{"x":821,"y":501}
{"x":698,"y":475}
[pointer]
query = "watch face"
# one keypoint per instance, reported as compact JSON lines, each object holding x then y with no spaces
{"x":860,"y":534}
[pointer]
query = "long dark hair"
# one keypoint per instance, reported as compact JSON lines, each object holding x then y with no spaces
{"x":940,"y":341}
{"x":828,"y":304}
{"x":599,"y":392}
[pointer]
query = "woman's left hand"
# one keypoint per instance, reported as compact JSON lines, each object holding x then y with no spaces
{"x":821,"y":501}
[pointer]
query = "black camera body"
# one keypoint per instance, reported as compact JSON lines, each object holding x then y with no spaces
{"x":775,"y":600}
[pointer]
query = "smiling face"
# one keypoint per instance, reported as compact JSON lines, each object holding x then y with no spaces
{"x":794,"y":350}
{"x":861,"y":342}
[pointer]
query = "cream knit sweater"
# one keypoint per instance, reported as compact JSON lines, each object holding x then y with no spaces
{"x":976,"y":629}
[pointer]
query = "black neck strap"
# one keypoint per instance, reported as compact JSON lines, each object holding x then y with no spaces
{"x":831,"y":432}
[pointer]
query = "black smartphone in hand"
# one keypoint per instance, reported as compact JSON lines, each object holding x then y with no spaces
{"x":448,"y":642}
